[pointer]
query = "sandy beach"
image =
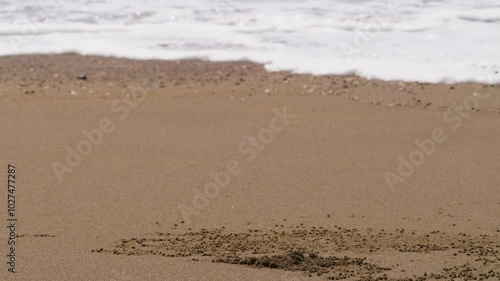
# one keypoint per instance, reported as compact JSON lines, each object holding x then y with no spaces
{"x":196,"y":170}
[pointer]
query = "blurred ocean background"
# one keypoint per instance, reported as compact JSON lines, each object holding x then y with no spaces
{"x":411,"y":40}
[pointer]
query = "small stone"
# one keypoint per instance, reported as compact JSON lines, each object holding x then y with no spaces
{"x":82,"y":77}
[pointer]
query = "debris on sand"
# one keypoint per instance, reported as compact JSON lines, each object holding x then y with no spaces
{"x":338,"y":254}
{"x":82,"y":77}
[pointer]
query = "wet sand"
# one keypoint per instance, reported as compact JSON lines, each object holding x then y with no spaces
{"x":366,"y":180}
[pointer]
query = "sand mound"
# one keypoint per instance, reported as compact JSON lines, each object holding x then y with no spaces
{"x":338,"y":254}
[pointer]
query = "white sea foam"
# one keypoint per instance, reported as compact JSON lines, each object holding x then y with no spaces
{"x":411,"y":40}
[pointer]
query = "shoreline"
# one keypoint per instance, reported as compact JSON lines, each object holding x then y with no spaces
{"x":218,"y":77}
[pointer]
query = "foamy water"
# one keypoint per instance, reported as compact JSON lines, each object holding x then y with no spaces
{"x":411,"y":40}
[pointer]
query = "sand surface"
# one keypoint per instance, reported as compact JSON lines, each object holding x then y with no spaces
{"x":309,"y":198}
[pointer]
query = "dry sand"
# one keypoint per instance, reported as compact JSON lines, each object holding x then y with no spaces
{"x":312,"y":203}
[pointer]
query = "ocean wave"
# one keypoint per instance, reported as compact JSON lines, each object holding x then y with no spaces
{"x":411,"y":40}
